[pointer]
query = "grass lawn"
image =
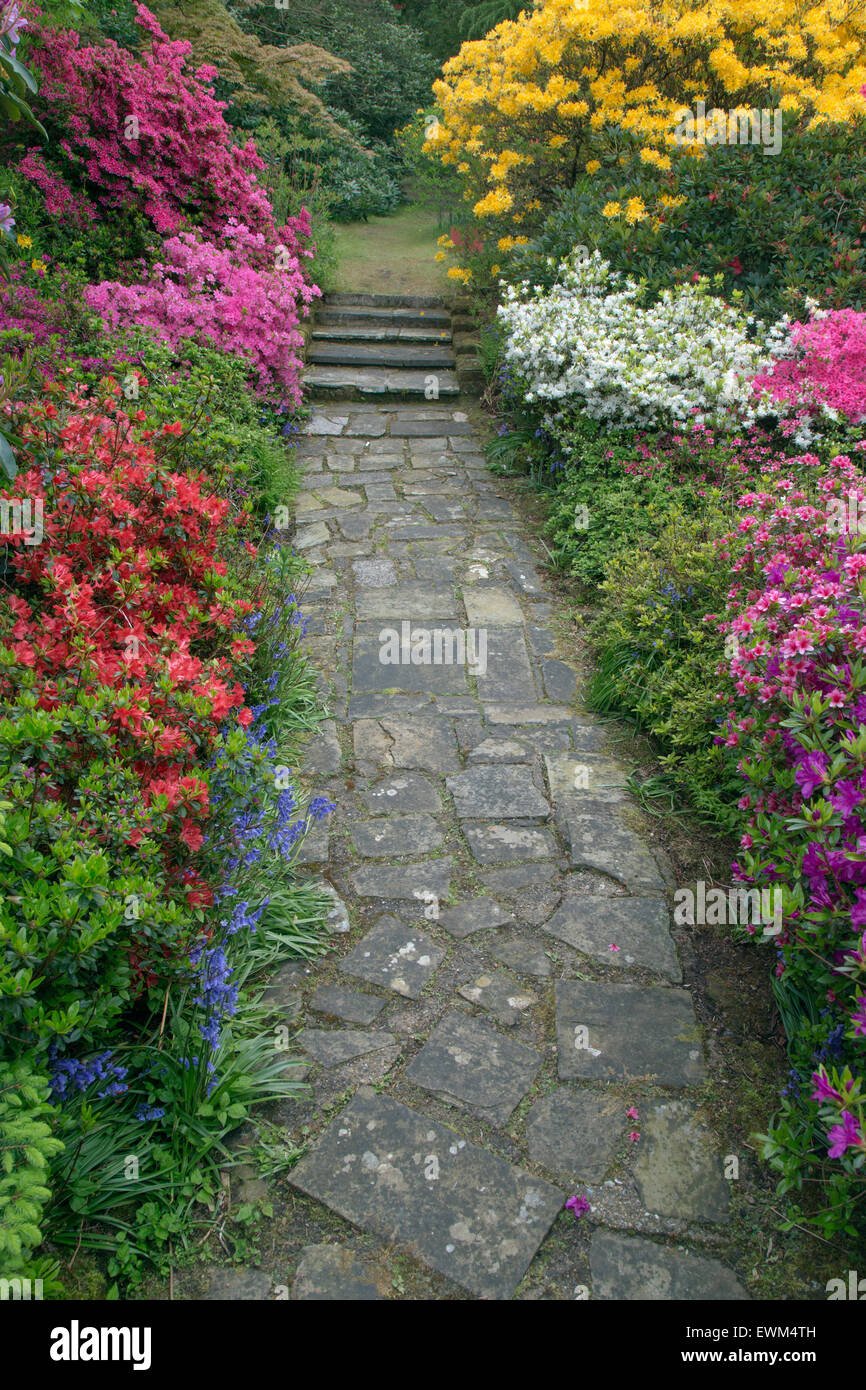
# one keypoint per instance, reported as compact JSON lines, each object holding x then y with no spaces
{"x":391,"y":255}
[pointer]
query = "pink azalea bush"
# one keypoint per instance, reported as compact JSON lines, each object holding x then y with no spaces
{"x":237,"y":295}
{"x":816,"y":376}
{"x":796,"y":633}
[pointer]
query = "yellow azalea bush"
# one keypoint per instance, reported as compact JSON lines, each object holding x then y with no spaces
{"x":525,"y":111}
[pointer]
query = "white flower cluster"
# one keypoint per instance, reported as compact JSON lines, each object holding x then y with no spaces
{"x":590,"y":344}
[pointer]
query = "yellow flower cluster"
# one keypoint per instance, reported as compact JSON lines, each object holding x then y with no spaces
{"x":567,"y":72}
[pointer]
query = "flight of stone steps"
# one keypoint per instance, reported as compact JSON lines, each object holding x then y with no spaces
{"x":386,"y":347}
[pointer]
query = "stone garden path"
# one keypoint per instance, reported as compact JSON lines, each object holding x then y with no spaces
{"x":504,"y":986}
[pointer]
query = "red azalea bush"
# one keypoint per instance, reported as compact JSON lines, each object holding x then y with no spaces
{"x":796,"y":631}
{"x":118,"y":655}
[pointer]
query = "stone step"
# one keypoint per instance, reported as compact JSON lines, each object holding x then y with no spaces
{"x":380,"y":355}
{"x":374,"y":333}
{"x":403,"y":318}
{"x":383,"y":301}
{"x":346,"y":383}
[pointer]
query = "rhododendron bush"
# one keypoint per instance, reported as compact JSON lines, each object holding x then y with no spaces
{"x":535,"y":105}
{"x":796,"y":628}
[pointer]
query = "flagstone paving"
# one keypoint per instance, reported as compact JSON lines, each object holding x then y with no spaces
{"x":503,"y":986}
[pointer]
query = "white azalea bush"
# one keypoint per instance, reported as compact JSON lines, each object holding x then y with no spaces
{"x":589,"y":344}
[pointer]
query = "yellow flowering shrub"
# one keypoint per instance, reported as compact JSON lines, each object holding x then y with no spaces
{"x":525,"y":109}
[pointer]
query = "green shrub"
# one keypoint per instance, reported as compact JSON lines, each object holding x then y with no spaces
{"x":776,"y":228}
{"x":27,"y":1146}
{"x":657,"y":658}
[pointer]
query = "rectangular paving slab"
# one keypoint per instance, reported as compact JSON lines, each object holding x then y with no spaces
{"x":468,"y":1061}
{"x":465,"y":1212}
{"x":607,"y":1032}
{"x":506,"y":792}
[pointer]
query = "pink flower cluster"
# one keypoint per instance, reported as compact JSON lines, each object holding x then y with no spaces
{"x":821,"y":366}
{"x":796,"y":633}
{"x":241,"y":296}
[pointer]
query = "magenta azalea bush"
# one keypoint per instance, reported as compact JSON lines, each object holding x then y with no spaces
{"x":142,"y":131}
{"x":238,"y":295}
{"x":796,"y":633}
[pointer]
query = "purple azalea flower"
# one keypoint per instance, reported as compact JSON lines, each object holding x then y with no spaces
{"x":846,"y":797}
{"x":811,"y":773}
{"x":823,"y":1090}
{"x":579,"y":1205}
{"x":844,"y":1136}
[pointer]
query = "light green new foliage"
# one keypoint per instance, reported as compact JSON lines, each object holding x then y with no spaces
{"x":26,"y":1147}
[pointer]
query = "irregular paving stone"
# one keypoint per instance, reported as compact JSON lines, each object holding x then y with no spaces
{"x":523,"y":954}
{"x":315,"y":845}
{"x":405,"y":791}
{"x":429,"y":429}
{"x":582,"y":780}
{"x":524,"y":577}
{"x":348,"y":1004}
{"x":396,"y":956}
{"x":373,"y":668}
{"x":605,"y":844}
{"x":390,"y":839}
{"x":679,"y":1169}
{"x":608,"y":1031}
{"x":637,"y":926}
{"x":499,"y":994}
{"x":357,"y":527}
{"x":375,"y":574}
{"x":630,"y":1268}
{"x":498,"y":712}
{"x":330,"y":1274}
{"x":367,"y":426}
{"x":560,"y":681}
{"x":422,"y":743}
{"x":337,"y":918}
{"x":238,"y":1285}
{"x":465,"y":1212}
{"x":468,"y":1062}
{"x":508,"y":673}
{"x":339,"y":497}
{"x":329,"y":1047}
{"x":520,"y":877}
{"x":575,"y":1134}
{"x":408,"y":601}
{"x":322,"y":752}
{"x":281,"y":993}
{"x":500,"y":750}
{"x":488,"y":605}
{"x":326,"y":424}
{"x":497,"y":793}
{"x":476,"y":914}
{"x":309,"y":536}
{"x":501,"y":844}
{"x":541,"y":639}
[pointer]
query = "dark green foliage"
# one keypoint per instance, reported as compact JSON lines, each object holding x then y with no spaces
{"x":778,"y":228}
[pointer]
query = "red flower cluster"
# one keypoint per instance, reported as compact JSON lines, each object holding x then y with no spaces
{"x":123,"y":593}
